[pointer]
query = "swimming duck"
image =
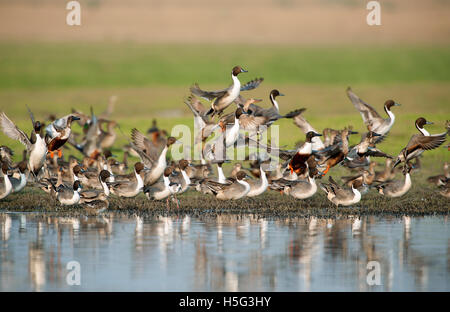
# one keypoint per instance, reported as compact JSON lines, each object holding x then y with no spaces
{"x":438,"y":180}
{"x":420,"y":143}
{"x":129,"y":187}
{"x":223,"y":98}
{"x":298,"y":162}
{"x":339,"y":195}
{"x":233,"y":191}
{"x":163,"y":189}
{"x":35,"y":145}
{"x":396,"y":188}
{"x":6,"y":187}
{"x":57,"y":133}
{"x":371,"y":118}
{"x":19,"y":184}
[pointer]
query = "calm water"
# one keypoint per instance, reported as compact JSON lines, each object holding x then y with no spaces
{"x":225,"y":253}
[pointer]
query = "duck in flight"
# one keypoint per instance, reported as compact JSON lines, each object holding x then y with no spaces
{"x":221,"y":99}
{"x":371,"y":118}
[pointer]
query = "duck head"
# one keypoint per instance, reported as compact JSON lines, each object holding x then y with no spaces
{"x":22,"y":166}
{"x":138,"y":167}
{"x":171,"y":141}
{"x":104,"y":175}
{"x":237,"y":70}
{"x":72,"y":118}
{"x":168,"y":171}
{"x":421,"y":122}
{"x":389,"y":103}
{"x":183,"y":164}
{"x":274,"y":93}
{"x":77,"y":186}
{"x":310,"y":135}
{"x":37,"y":127}
{"x":241,"y":175}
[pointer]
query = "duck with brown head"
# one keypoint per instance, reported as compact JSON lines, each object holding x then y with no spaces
{"x":129,"y":187}
{"x":164,"y":189}
{"x":57,"y":133}
{"x":6,"y":187}
{"x":371,"y":118}
{"x":35,"y":145}
{"x":221,"y":99}
{"x":298,"y":163}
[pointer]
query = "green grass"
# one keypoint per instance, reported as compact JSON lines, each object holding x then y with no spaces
{"x":151,"y":81}
{"x":56,"y":65}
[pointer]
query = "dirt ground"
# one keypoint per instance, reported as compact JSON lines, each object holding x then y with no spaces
{"x":231,"y":21}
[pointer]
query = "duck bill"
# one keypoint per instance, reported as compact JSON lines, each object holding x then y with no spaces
{"x":398,"y":161}
{"x":244,"y":71}
{"x":429,"y":123}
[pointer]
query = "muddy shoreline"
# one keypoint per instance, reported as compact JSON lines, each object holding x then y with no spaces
{"x":418,"y":202}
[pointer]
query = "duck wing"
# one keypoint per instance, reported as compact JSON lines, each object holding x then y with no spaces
{"x":252,"y":84}
{"x":425,"y":142}
{"x":144,"y":145}
{"x":368,"y":113}
{"x":208,"y":95}
{"x":13,"y":132}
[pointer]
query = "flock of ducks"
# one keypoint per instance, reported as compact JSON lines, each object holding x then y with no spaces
{"x":91,"y":179}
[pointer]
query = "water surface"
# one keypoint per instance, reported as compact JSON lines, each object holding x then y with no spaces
{"x":223,"y":253}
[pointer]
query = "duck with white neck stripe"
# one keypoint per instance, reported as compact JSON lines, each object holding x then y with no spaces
{"x":221,"y":99}
{"x":163,"y":190}
{"x":298,"y":162}
{"x":6,"y":187}
{"x":233,"y":191}
{"x":128,"y":187}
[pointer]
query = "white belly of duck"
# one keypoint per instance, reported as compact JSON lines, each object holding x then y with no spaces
{"x":70,"y":201}
{"x":7,"y":187}
{"x":38,"y":154}
{"x":261,"y":188}
{"x":21,"y":185}
{"x":307,"y":194}
{"x":406,"y":187}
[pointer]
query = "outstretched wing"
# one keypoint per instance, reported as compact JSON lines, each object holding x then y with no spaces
{"x":425,"y":142}
{"x":368,"y":113}
{"x":13,"y":132}
{"x":252,"y":84}
{"x":207,"y":95}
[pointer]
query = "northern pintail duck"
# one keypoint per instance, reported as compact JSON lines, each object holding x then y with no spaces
{"x":6,"y":187}
{"x":440,"y":179}
{"x":298,"y":162}
{"x":156,"y":165}
{"x":258,"y":186}
{"x":339,"y":195}
{"x":361,"y":181}
{"x":202,"y":123}
{"x":21,"y":182}
{"x":182,"y":178}
{"x":371,"y":118}
{"x":336,"y":153}
{"x":299,"y":189}
{"x":129,"y":187}
{"x":396,"y":188}
{"x":358,"y":156}
{"x":221,"y":99}
{"x":387,"y":174}
{"x":233,"y":191}
{"x":164,"y":189}
{"x":108,"y":137}
{"x":420,"y":143}
{"x":68,"y":195}
{"x":90,"y":196}
{"x":35,"y":145}
{"x":301,"y":122}
{"x":57,"y":133}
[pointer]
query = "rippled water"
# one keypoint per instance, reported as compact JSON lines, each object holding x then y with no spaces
{"x":223,"y":253}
